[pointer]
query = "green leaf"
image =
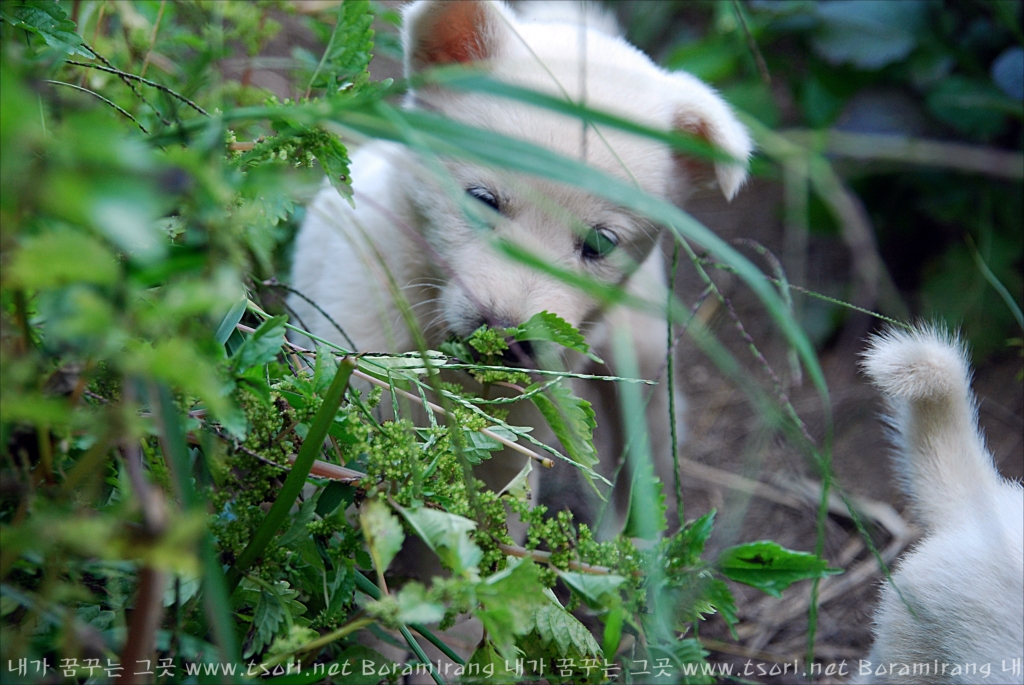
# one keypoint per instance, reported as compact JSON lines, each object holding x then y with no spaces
{"x":509,"y":599}
{"x":478,"y":446}
{"x":275,"y":608}
{"x":230,"y":320}
{"x":378,"y":365}
{"x":179,"y":363}
{"x":414,"y":607}
{"x":382,"y":532}
{"x":262,"y":346}
{"x":720,"y":598}
{"x":648,"y":520}
{"x":485,"y":659}
{"x":613,"y":630}
{"x":60,"y":257}
{"x":48,"y":20}
{"x":571,"y":419}
{"x":598,"y":591}
{"x":333,"y":157}
{"x":554,"y":624}
{"x":685,"y":547}
{"x":973,"y":107}
{"x":347,"y":55}
{"x":447,"y":535}
{"x":868,"y":35}
{"x":333,"y":496}
{"x":770,"y":567}
{"x":325,"y":367}
{"x":677,"y":655}
{"x":553,"y":328}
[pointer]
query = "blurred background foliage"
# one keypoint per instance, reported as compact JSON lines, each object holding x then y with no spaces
{"x":912,"y":69}
{"x":124,"y":255}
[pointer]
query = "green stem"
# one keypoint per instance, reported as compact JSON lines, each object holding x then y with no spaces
{"x":366,"y":586}
{"x":296,"y":477}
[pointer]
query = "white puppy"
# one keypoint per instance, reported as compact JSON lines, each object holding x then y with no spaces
{"x":407,"y":231}
{"x":956,"y":613}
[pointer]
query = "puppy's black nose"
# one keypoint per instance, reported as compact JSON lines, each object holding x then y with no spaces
{"x":519,"y":354}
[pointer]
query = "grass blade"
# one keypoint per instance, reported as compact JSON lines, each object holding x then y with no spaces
{"x":297,"y":476}
{"x":215,"y":590}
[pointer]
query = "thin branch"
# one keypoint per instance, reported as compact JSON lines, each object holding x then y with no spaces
{"x":545,"y":558}
{"x":762,"y":67}
{"x":97,"y":95}
{"x":544,"y":461}
{"x":895,"y":148}
{"x":128,"y":82}
{"x":146,"y":81}
{"x":152,"y":37}
{"x":274,"y":283}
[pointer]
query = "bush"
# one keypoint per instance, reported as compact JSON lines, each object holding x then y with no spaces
{"x":183,"y":485}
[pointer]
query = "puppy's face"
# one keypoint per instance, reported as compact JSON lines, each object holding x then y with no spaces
{"x":569,"y":229}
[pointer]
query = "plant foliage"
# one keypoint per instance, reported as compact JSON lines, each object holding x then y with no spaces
{"x":171,"y":460}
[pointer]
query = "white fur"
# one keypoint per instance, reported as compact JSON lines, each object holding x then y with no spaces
{"x":407,"y":232}
{"x":965,"y":581}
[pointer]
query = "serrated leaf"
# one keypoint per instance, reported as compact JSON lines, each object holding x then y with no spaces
{"x":721,"y":599}
{"x":275,"y":610}
{"x":447,"y":535}
{"x":770,"y":567}
{"x":333,"y":158}
{"x":546,"y":326}
{"x":509,"y":599}
{"x":349,"y":50}
{"x":342,"y":589}
{"x":49,"y":21}
{"x":676,"y":656}
{"x":262,"y":346}
{"x":477,"y":447}
{"x":571,"y":419}
{"x":485,"y":659}
{"x":382,"y":532}
{"x":685,"y":547}
{"x":554,"y":624}
{"x":414,"y":607}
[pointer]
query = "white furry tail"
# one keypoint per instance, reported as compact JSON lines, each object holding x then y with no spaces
{"x":941,"y":456}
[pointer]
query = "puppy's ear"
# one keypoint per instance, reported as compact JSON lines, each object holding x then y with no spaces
{"x":438,"y":32}
{"x":701,"y":112}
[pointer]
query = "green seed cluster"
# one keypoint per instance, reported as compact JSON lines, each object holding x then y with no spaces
{"x":250,"y":481}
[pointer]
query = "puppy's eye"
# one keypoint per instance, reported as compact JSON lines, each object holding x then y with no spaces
{"x":598,"y":243}
{"x":485,"y":196}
